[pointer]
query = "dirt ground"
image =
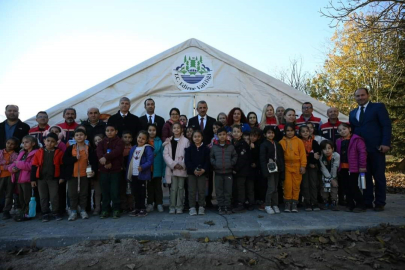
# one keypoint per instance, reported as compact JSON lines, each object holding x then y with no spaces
{"x":382,"y":247}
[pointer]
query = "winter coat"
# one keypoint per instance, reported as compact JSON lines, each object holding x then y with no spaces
{"x":267,"y":152}
{"x":24,"y":166}
{"x":356,"y":153}
{"x":159,"y":165}
{"x":145,"y":163}
{"x":315,"y":149}
{"x":182,"y":144}
{"x":69,"y":161}
{"x":167,"y":130}
{"x":197,"y":157}
{"x":223,"y":158}
{"x":115,"y":157}
{"x":38,"y":162}
{"x":294,"y":152}
{"x":4,"y":164}
{"x":243,"y":162}
{"x":335,"y":165}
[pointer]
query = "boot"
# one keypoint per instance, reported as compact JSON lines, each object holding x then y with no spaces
{"x":294,"y":207}
{"x":287,"y":206}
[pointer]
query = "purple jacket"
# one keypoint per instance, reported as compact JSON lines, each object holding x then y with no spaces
{"x":24,"y":166}
{"x":356,"y":153}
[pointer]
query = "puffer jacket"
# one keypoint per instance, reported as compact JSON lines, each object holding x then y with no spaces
{"x":267,"y":152}
{"x":145,"y":163}
{"x":244,"y":160}
{"x":356,"y":153}
{"x":223,"y":158}
{"x":335,"y":164}
{"x":115,"y":157}
{"x":24,"y":166}
{"x":182,"y":144}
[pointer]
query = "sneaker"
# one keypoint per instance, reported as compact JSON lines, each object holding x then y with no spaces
{"x":104,"y":214}
{"x":96,"y":212}
{"x":334,"y":206}
{"x":193,"y":211}
{"x":269,"y":210}
{"x":149,"y":208}
{"x":228,"y":210}
{"x":142,"y":213}
{"x":221,"y":210}
{"x":57,"y":217}
{"x":172,"y":211}
{"x":276,"y":209}
{"x":160,"y":208}
{"x":201,"y":210}
{"x":6,"y":215}
{"x":308,"y":207}
{"x":179,"y":211}
{"x":325,"y":205}
{"x":315,"y":207}
{"x":262,"y":207}
{"x":294,"y":208}
{"x":379,"y":208}
{"x":239,"y":208}
{"x":84,"y":215}
{"x":45,"y":218}
{"x":72,"y":216}
{"x":116,"y":214}
{"x":287,"y":207}
{"x":134,"y":213}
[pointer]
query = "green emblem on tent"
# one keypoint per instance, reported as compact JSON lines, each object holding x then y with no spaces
{"x":193,"y":66}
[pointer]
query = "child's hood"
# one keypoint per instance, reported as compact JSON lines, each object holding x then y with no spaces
{"x":61,"y":135}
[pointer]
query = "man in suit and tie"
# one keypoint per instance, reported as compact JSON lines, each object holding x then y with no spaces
{"x":203,"y":122}
{"x":371,"y":121}
{"x":151,"y":118}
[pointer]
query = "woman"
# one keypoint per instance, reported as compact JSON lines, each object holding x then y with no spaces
{"x":237,"y":117}
{"x":268,"y":117}
{"x":222,"y":117}
{"x":167,"y":127}
{"x":289,"y":117}
{"x":252,"y":119}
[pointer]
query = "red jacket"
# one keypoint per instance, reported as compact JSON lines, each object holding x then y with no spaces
{"x":69,"y":130}
{"x":38,"y":133}
{"x":330,"y":131}
{"x":115,"y":156}
{"x":38,"y":162}
{"x":314,"y":120}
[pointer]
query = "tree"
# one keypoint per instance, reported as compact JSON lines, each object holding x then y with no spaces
{"x":294,"y":75}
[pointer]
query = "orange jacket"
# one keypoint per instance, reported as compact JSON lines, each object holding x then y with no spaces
{"x":294,"y":152}
{"x":39,"y":161}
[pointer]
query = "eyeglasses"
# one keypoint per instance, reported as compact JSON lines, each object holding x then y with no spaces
{"x":307,"y":108}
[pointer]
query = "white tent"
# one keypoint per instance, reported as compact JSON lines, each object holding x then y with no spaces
{"x":180,"y":77}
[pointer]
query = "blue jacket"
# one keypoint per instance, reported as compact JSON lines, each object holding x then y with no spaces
{"x":197,"y":157}
{"x":375,"y":128}
{"x":159,"y":164}
{"x":146,"y":163}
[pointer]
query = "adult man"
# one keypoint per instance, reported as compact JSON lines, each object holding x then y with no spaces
{"x":280,"y":114}
{"x":307,"y":116}
{"x":329,"y":130}
{"x":93,"y":124}
{"x":69,"y":126}
{"x":151,"y":118}
{"x":371,"y":121}
{"x":12,"y":126}
{"x":203,"y":122}
{"x":37,"y":131}
{"x":124,"y":120}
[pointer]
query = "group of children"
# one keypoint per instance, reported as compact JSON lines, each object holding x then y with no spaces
{"x":127,"y":173}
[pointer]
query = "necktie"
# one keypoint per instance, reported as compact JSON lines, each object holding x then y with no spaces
{"x":150,"y":119}
{"x":361,"y":113}
{"x":202,"y":124}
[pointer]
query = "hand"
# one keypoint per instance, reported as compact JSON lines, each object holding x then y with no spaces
{"x":108,"y":166}
{"x":178,"y":167}
{"x":15,"y":169}
{"x":253,"y":165}
{"x":102,"y":160}
{"x":33,"y":184}
{"x":384,"y":149}
{"x":316,"y":156}
{"x":139,"y":169}
{"x":233,"y":172}
{"x":302,"y":170}
{"x":312,"y":166}
{"x":61,"y":181}
{"x":90,"y":175}
{"x":362,"y":170}
{"x":252,"y":145}
{"x":334,"y":182}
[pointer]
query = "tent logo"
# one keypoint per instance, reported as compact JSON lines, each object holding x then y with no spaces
{"x":194,"y":72}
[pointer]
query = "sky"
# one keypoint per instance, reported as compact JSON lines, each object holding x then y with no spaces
{"x":53,"y":50}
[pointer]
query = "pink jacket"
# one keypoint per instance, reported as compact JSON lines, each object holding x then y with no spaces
{"x":24,"y":166}
{"x":3,"y":162}
{"x":356,"y":153}
{"x":182,"y":144}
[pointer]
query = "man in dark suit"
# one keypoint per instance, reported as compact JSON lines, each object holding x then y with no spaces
{"x":124,"y":120}
{"x":151,"y":118}
{"x":12,"y":126}
{"x":371,"y":121}
{"x":203,"y":122}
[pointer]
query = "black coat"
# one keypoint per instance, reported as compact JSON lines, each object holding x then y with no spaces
{"x":208,"y":132}
{"x":315,"y":149}
{"x":93,"y":131}
{"x":243,"y":164}
{"x":130,"y":123}
{"x":159,"y":121}
{"x":20,"y":131}
{"x":69,"y":162}
{"x":197,"y":158}
{"x":267,"y":152}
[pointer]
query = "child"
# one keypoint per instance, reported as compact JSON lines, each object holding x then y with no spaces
{"x":127,"y":201}
{"x":270,"y":150}
{"x":21,"y":172}
{"x":189,"y":136}
{"x":241,"y":168}
{"x":330,"y":162}
{"x":309,"y":184}
{"x":173,"y":154}
{"x":254,"y":181}
{"x":78,"y":157}
{"x":197,"y":163}
{"x":223,"y":157}
{"x":61,"y":136}
{"x":217,"y":125}
{"x":139,"y":171}
{"x":95,"y":180}
{"x":312,"y":132}
{"x":246,"y":137}
{"x":353,"y":160}
{"x":7,"y":157}
{"x":109,"y":154}
{"x":46,"y":174}
{"x":295,"y":162}
{"x":154,"y":187}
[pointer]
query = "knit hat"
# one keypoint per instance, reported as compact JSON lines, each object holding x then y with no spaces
{"x":52,"y":135}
